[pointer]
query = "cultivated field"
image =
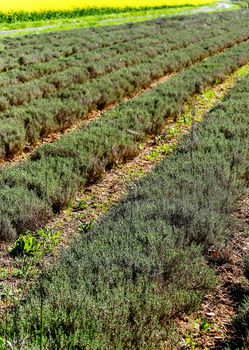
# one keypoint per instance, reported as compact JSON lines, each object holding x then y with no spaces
{"x":27,"y":5}
{"x":76,"y":104}
{"x":143,"y":264}
{"x":50,"y":90}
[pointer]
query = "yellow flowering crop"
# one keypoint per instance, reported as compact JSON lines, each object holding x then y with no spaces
{"x":41,"y":5}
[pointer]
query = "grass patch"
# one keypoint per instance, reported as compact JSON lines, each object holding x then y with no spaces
{"x":20,"y":15}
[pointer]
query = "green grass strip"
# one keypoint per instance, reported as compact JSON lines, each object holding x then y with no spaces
{"x":18,"y":16}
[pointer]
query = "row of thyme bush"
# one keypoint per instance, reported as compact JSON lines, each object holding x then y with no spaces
{"x":121,"y":285}
{"x":81,"y":72}
{"x":85,"y":71}
{"x":67,"y":104}
{"x":174,"y":40}
{"x":31,"y":191}
{"x":43,"y":48}
{"x":23,"y":51}
{"x":172,"y":23}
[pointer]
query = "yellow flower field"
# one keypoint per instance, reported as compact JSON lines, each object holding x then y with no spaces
{"x":40,"y":5}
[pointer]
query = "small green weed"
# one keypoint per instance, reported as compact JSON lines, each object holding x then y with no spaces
{"x":209,"y":94}
{"x":185,"y":119}
{"x":68,"y":211}
{"x":243,"y":71}
{"x":134,"y":175}
{"x":37,"y":244}
{"x":171,"y":132}
{"x":141,"y":146}
{"x":189,"y":343}
{"x":25,"y":245}
{"x":201,"y":326}
{"x":81,"y":205}
{"x":6,"y":292}
{"x":204,"y":325}
{"x":85,"y":227}
{"x":3,"y":273}
{"x":161,"y":150}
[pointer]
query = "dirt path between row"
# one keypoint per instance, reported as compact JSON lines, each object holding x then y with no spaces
{"x":24,"y":30}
